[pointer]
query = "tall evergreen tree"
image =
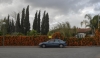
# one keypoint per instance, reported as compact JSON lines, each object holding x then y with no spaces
{"x":18,"y":23}
{"x":13,"y":26}
{"x":22,"y":20}
{"x":43,"y":24}
{"x":35,"y":22}
{"x":8,"y":25}
{"x":5,"y":26}
{"x":26,"y":21}
{"x":47,"y":24}
{"x":38,"y":23}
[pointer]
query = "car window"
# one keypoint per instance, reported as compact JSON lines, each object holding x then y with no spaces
{"x":56,"y":41}
{"x":51,"y":41}
{"x":61,"y":41}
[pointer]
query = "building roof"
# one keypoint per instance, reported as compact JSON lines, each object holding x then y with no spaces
{"x":83,"y":30}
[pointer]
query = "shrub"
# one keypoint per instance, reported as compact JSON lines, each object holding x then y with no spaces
{"x":57,"y":35}
{"x":32,"y":33}
{"x":1,"y":33}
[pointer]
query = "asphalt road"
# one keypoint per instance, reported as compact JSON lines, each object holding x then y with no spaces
{"x":36,"y":52}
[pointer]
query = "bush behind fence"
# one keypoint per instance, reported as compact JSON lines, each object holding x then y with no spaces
{"x":35,"y":40}
{"x":22,"y":40}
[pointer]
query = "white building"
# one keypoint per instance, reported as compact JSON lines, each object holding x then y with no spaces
{"x":81,"y":32}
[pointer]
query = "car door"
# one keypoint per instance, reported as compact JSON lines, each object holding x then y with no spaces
{"x":56,"y":42}
{"x":51,"y":43}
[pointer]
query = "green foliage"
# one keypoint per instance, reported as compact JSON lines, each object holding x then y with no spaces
{"x":12,"y":27}
{"x":22,"y":21}
{"x":18,"y":23}
{"x":32,"y":32}
{"x":8,"y":24}
{"x":49,"y":33}
{"x":65,"y":29}
{"x":26,"y":21}
{"x":8,"y":27}
{"x":35,"y":22}
{"x":92,"y":23}
{"x":23,"y":25}
{"x":1,"y":25}
{"x":1,"y":33}
{"x":45,"y":24}
{"x":17,"y":33}
{"x":38,"y":23}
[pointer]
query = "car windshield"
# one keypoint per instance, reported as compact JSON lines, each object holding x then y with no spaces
{"x":55,"y":40}
{"x":61,"y":41}
{"x":52,"y":40}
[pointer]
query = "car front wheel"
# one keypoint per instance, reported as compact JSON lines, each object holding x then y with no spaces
{"x":43,"y":46}
{"x":61,"y":46}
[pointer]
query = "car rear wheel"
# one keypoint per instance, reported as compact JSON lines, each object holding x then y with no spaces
{"x":61,"y":46}
{"x":43,"y":46}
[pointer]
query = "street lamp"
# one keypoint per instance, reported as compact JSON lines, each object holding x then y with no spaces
{"x":3,"y":32}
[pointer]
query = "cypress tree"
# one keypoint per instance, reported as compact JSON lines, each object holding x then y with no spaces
{"x":38,"y":23}
{"x":18,"y":23}
{"x":35,"y":22}
{"x":22,"y":20}
{"x":47,"y":24}
{"x":4,"y":26}
{"x":13,"y":26}
{"x":26,"y":21}
{"x":8,"y":25}
{"x":43,"y":25}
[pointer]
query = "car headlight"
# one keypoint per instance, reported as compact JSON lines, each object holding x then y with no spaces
{"x":40,"y":43}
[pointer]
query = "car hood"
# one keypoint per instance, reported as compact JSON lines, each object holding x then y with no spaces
{"x":42,"y":43}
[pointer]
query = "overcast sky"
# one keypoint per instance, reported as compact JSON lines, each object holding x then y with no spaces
{"x":59,"y":11}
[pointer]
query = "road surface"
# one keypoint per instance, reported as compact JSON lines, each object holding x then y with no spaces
{"x":36,"y":52}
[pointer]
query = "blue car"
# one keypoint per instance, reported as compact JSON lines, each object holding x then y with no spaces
{"x":53,"y":43}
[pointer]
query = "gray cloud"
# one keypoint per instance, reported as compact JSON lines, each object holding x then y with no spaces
{"x":6,"y":1}
{"x":97,"y":7}
{"x":96,"y":4}
{"x":55,"y":8}
{"x":64,"y":6}
{"x":11,"y":7}
{"x":94,"y":1}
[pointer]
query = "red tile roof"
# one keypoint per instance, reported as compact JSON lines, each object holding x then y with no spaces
{"x":83,"y":30}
